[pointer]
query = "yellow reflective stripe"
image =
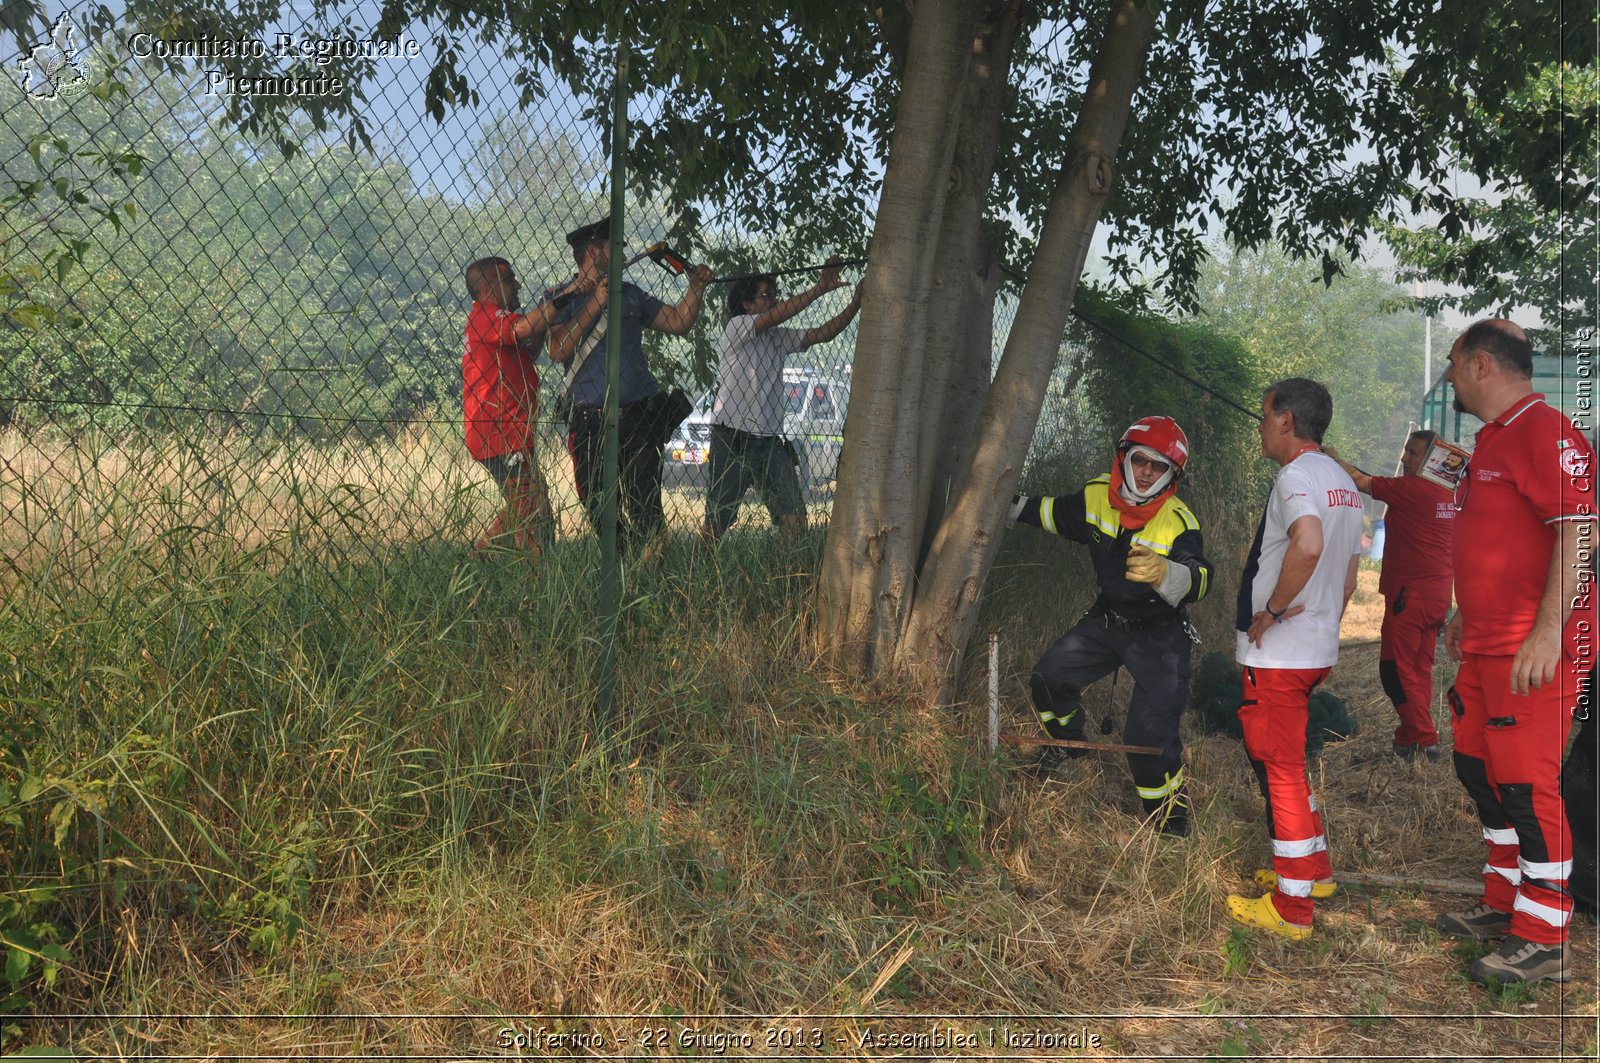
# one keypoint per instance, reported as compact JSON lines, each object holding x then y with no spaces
{"x":1205,"y":580}
{"x":1047,"y":514}
{"x":1097,"y":508}
{"x":1173,"y":784}
{"x":1171,"y":521}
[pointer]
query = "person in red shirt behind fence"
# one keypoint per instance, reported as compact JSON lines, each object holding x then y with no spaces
{"x":1524,"y":634}
{"x":500,"y":396}
{"x":1415,"y":585}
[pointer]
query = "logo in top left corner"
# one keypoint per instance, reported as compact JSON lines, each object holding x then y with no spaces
{"x":54,"y":68}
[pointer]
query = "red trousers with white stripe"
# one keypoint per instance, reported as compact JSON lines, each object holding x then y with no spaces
{"x":1508,"y":751}
{"x":1274,"y":714}
{"x":1405,"y":662}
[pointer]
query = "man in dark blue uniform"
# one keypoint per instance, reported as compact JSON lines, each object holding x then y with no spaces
{"x":576,"y":336}
{"x":1149,"y":561}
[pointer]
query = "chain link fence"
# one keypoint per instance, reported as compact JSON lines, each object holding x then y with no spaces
{"x":215,"y":352}
{"x":222,"y":364}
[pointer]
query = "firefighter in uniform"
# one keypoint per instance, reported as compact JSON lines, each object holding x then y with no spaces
{"x":1149,"y":562}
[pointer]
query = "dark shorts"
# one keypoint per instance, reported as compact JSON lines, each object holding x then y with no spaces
{"x":503,"y":468}
{"x":740,"y":461}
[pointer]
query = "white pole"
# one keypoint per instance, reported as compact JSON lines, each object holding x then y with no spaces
{"x":1427,"y":358}
{"x":994,"y":691}
{"x":1418,"y":290}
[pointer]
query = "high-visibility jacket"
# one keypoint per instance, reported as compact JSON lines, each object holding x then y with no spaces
{"x":1088,"y":517}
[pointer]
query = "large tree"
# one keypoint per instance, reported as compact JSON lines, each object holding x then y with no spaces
{"x":1009,"y":132}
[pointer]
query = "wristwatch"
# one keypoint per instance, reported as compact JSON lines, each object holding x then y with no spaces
{"x":1277,"y":617}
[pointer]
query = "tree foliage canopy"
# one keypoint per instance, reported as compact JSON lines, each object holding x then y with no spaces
{"x":1528,"y":240}
{"x":1273,"y":122}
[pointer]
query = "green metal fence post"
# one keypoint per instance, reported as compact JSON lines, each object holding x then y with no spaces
{"x":610,"y":497}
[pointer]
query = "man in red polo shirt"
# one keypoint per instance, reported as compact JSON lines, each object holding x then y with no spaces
{"x":1415,"y":585}
{"x":1524,"y":633}
{"x":500,"y":395}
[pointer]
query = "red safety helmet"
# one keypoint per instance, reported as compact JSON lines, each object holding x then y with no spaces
{"x":1162,"y":435}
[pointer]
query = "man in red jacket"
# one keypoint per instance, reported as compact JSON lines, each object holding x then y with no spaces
{"x":1415,"y":585}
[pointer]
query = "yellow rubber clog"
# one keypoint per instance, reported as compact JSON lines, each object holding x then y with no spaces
{"x":1261,"y":914}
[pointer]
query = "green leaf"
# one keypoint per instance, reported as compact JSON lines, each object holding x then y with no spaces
{"x":61,"y":817}
{"x":40,"y":1052}
{"x":17,"y":964}
{"x":54,"y":957}
{"x":32,"y":786}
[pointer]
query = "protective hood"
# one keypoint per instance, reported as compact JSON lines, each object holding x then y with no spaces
{"x":1138,"y":510}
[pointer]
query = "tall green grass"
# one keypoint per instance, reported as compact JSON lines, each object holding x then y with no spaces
{"x":217,"y":732}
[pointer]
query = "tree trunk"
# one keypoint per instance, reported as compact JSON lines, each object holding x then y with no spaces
{"x":965,"y":543}
{"x":960,"y":337}
{"x":869,"y":560}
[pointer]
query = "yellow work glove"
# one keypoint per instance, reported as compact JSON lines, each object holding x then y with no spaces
{"x":1145,"y":565}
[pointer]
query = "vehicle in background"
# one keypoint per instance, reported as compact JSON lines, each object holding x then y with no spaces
{"x":814,"y":407}
{"x":683,"y":463}
{"x":814,"y":410}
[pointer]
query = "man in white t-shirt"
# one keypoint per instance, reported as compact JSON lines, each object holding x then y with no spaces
{"x":1297,"y":580}
{"x":747,"y":444}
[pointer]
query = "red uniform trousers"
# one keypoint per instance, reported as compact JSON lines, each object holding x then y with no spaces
{"x":1274,"y":715}
{"x":1508,"y":751}
{"x":1405,"y":662}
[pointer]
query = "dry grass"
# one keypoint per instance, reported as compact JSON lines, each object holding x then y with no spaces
{"x":771,"y":846}
{"x":72,"y":506}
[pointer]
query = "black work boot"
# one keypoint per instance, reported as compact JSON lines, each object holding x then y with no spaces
{"x":1170,"y":814}
{"x":1050,"y":758}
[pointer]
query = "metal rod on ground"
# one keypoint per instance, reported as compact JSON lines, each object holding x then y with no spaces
{"x":1366,"y":878}
{"x":994,"y":690}
{"x":1068,"y":743}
